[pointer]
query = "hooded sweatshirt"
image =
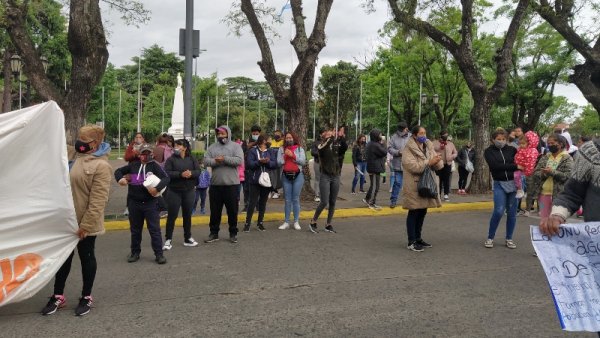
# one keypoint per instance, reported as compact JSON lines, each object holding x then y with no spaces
{"x":138,"y":172}
{"x":395,"y":147}
{"x":376,"y":153}
{"x":225,"y":173}
{"x":527,"y":157}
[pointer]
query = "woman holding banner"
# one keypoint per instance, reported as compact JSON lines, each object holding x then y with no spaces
{"x":90,"y":176}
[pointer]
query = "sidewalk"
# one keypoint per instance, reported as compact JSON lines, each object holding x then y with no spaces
{"x":348,"y":205}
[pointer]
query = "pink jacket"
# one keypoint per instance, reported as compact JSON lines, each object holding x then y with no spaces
{"x":527,"y":157}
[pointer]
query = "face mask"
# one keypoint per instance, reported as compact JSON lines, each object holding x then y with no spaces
{"x":177,"y":151}
{"x":444,"y":138}
{"x":421,"y":139}
{"x":553,"y":148}
{"x":289,"y":143}
{"x":254,"y":137}
{"x":82,"y":147}
{"x":277,"y":137}
{"x":499,"y":144}
{"x":222,"y":140}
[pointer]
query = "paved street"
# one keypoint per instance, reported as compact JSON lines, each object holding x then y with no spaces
{"x":360,"y":282}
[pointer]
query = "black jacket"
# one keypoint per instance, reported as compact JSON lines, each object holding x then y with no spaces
{"x":314,"y":151}
{"x":137,"y":174}
{"x":175,"y":165}
{"x":331,"y":155}
{"x":461,"y":159}
{"x":501,"y":162}
{"x":255,"y":167}
{"x":376,"y":154}
{"x":359,"y":154}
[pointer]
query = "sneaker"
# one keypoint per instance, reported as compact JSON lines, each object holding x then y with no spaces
{"x":84,"y":306}
{"x":261,"y":227}
{"x":160,"y":259}
{"x":168,"y":245}
{"x":524,"y":213}
{"x":415,"y":247}
{"x":330,"y":229}
{"x":202,"y":211}
{"x":520,"y":212}
{"x":362,"y":192}
{"x":284,"y":226}
{"x":392,"y":206}
{"x":390,"y":191}
{"x":56,"y":302}
{"x":364,"y":200}
{"x":275,"y":196}
{"x":133,"y":257}
{"x":317,"y":199}
{"x":126,"y":212}
{"x":353,"y":192}
{"x":423,"y":243}
{"x":297,"y":226}
{"x":446,"y":198}
{"x":233,"y":239}
{"x":163,"y":214}
{"x":312,"y":227}
{"x":510,"y":244}
{"x":374,"y":207}
{"x":489,"y":243}
{"x":190,"y":242}
{"x":246,"y":227}
{"x":211,"y":238}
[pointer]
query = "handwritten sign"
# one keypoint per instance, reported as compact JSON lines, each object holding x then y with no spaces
{"x":571,"y":261}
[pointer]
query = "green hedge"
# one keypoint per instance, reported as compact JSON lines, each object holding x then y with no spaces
{"x":198,"y":154}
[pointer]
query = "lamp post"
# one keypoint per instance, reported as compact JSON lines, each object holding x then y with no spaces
{"x":16,"y":65}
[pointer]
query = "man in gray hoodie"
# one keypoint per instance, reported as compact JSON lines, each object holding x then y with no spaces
{"x":224,"y":157}
{"x":395,"y":147}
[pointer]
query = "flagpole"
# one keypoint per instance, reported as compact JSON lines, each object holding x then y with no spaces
{"x":162,"y":124}
{"x":119,"y":124}
{"x":228,"y":109}
{"x":275,"y":114}
{"x":420,"y":95}
{"x":314,"y":118}
{"x":217,"y":104}
{"x":259,"y":108}
{"x":139,"y":112}
{"x":207,"y":120}
{"x":103,"y":121}
{"x":361,"y":107}
{"x":389,"y":108}
{"x":337,"y":111}
{"x":244,"y":119}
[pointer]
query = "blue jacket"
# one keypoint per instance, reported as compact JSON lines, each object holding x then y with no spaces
{"x":255,"y":167}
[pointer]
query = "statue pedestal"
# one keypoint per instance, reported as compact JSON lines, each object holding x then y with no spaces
{"x":176,"y":128}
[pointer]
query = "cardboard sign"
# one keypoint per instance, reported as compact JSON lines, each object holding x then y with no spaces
{"x":37,"y":218}
{"x":571,"y":261}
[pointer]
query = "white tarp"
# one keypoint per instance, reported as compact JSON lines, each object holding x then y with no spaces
{"x":37,"y":218}
{"x":571,"y":261}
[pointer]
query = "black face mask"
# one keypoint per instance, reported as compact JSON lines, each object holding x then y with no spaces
{"x":553,"y":148}
{"x":82,"y":147}
{"x":221,"y":140}
{"x":289,"y":143}
{"x":277,"y":137}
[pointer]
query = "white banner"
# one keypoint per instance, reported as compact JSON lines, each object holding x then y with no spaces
{"x":571,"y":261}
{"x":37,"y":218}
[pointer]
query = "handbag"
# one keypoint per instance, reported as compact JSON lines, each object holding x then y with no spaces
{"x":469,"y":166}
{"x":427,"y":187}
{"x":264,"y":180}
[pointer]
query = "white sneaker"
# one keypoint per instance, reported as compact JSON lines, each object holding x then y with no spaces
{"x":190,"y":242}
{"x":275,"y":196}
{"x":317,"y":199}
{"x":446,"y":198}
{"x":520,"y":194}
{"x":168,"y":245}
{"x":489,"y":243}
{"x":390,"y":190}
{"x":510,"y":244}
{"x":297,"y":226}
{"x":284,"y":226}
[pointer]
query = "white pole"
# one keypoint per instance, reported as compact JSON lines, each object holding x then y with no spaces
{"x":217,"y":105}
{"x":259,"y":108}
{"x":227,"y":108}
{"x":103,"y":121}
{"x":119,"y":123}
{"x":244,"y":119}
{"x":139,"y":115}
{"x":20,"y":93}
{"x":420,"y":95}
{"x":360,"y":107}
{"x":207,"y":121}
{"x":275,"y":115}
{"x":387,"y":134}
{"x":162,"y":124}
{"x":314,"y":118}
{"x":337,"y":111}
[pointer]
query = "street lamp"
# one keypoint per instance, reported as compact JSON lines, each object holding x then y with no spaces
{"x":16,"y":65}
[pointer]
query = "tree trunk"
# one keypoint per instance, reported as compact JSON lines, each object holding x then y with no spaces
{"x":480,"y":119}
{"x":6,"y":72}
{"x":587,"y":78}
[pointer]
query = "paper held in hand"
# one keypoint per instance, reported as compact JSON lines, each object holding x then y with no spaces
{"x":571,"y":261}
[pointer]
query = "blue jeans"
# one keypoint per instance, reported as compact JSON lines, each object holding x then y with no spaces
{"x":291,"y":190}
{"x":397,"y":178}
{"x":503,"y":201}
{"x":362,"y":166}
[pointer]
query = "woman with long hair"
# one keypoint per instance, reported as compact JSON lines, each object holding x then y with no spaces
{"x":291,"y":157}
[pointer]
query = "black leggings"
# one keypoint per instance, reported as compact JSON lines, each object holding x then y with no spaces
{"x":414,"y":224}
{"x":445,"y":175}
{"x":183,"y":199}
{"x":258,"y":195}
{"x":85,"y":249}
{"x":463,"y":176}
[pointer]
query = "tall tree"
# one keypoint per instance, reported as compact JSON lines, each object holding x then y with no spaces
{"x":87,"y":43}
{"x":560,"y":14}
{"x":295,"y":100}
{"x":461,"y":45}
{"x":346,"y":75}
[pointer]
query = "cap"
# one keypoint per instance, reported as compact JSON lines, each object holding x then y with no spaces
{"x":145,"y":147}
{"x":220,"y":129}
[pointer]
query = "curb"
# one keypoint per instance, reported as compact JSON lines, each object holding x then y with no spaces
{"x":339,"y":213}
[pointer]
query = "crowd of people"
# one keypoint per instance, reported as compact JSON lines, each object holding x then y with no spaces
{"x":164,"y":179}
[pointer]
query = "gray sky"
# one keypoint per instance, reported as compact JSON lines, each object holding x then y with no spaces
{"x":350,"y":34}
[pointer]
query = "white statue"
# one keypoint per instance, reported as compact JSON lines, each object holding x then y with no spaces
{"x":178,"y":80}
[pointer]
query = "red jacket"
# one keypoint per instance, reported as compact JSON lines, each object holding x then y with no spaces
{"x":527,"y":157}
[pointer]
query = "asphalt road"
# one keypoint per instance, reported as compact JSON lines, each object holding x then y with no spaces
{"x":360,"y":282}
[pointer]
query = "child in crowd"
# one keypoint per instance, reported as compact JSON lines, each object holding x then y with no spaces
{"x":525,"y":159}
{"x":201,"y":189}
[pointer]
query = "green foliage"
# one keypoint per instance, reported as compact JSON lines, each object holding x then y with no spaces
{"x":346,"y":75}
{"x":587,"y":124}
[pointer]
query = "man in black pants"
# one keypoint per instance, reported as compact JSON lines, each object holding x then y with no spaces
{"x":224,"y":157}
